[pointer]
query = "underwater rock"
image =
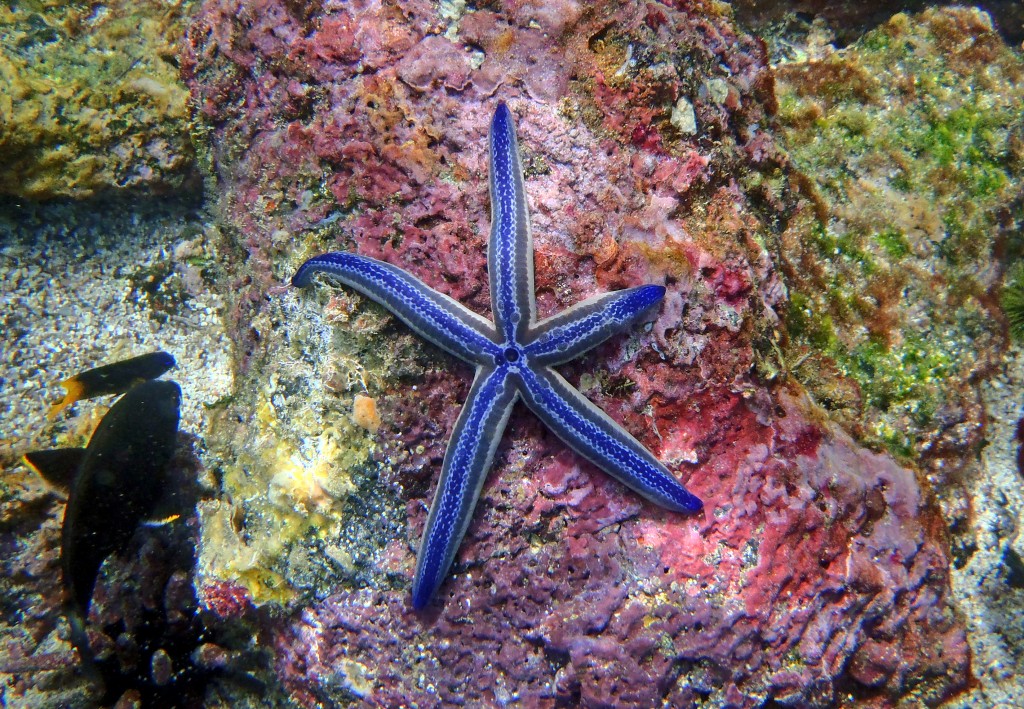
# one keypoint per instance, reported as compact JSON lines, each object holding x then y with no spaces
{"x":910,"y":147}
{"x":852,"y":18}
{"x":91,"y":99}
{"x":817,"y":573}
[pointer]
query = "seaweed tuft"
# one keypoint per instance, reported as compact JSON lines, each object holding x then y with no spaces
{"x":1012,"y":301}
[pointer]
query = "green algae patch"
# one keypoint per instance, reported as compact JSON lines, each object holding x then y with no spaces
{"x":904,"y":147}
{"x":91,"y":99}
{"x":1012,"y":300}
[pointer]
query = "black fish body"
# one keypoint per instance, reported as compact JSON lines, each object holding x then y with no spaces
{"x":119,"y":482}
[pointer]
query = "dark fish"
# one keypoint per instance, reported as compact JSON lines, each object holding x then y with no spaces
{"x":114,"y":378}
{"x":117,"y":484}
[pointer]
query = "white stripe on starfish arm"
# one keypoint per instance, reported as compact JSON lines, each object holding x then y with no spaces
{"x":595,"y":436}
{"x":434,"y":316}
{"x":572,"y":332}
{"x":510,"y":248}
{"x":466,"y":462}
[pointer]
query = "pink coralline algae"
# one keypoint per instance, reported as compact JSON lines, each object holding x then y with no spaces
{"x":225,"y":600}
{"x":817,"y":574}
{"x":811,"y":581}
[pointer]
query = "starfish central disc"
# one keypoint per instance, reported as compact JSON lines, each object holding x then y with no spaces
{"x":520,"y":368}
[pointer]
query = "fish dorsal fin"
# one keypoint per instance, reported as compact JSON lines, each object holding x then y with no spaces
{"x":56,"y":466}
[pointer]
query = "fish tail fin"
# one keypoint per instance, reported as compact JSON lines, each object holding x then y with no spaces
{"x":74,"y":391}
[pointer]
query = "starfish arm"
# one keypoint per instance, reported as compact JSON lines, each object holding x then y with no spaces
{"x":434,"y":316}
{"x":510,"y":249}
{"x":466,"y":462}
{"x":595,"y":436}
{"x":589,"y":323}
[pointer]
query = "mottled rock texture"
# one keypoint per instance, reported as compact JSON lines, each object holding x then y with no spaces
{"x":817,"y":574}
{"x":91,"y":100}
{"x":851,"y":18}
{"x":912,"y":142}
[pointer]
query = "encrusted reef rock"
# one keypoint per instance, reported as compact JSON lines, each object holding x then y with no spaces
{"x":851,"y":18}
{"x":912,"y":144}
{"x":817,"y":574}
{"x":91,"y":99}
{"x":811,"y":581}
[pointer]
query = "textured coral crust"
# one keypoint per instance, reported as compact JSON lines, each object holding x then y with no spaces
{"x":225,"y":599}
{"x":815,"y":575}
{"x":818,"y":560}
{"x":851,"y":18}
{"x":907,"y":141}
{"x":91,"y":102}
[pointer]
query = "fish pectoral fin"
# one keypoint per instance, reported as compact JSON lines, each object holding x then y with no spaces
{"x":171,"y":507}
{"x":57,"y":466}
{"x":160,"y":521}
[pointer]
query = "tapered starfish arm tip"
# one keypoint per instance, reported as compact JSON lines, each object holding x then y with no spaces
{"x":513,"y":358}
{"x":469,"y":456}
{"x":595,"y":436}
{"x":572,"y":332}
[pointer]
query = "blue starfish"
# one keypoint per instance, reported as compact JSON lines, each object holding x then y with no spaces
{"x":514,"y":357}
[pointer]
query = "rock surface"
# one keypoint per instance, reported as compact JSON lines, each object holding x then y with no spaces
{"x":91,"y":100}
{"x":818,"y":573}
